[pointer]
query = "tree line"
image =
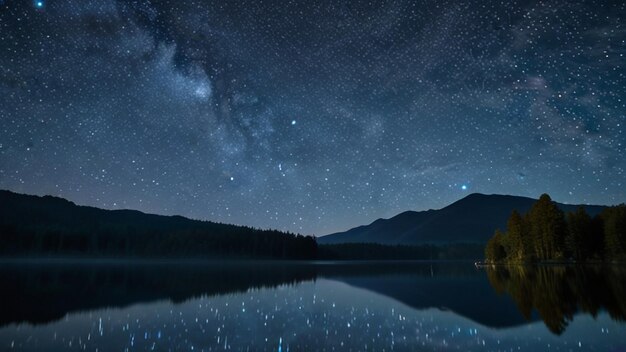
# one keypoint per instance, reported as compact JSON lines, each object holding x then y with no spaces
{"x":546,"y":233}
{"x":50,"y":226}
{"x":374,"y":251}
{"x":217,"y":241}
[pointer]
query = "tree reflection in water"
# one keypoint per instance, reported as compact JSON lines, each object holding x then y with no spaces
{"x":557,"y":293}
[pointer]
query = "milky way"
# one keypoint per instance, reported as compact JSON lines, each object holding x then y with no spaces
{"x":311,"y":116}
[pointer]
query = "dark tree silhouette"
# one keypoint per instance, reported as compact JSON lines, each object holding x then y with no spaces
{"x":579,"y":237}
{"x":50,"y":226}
{"x":518,"y":241}
{"x":614,"y":219}
{"x":547,"y":228}
{"x":494,"y":250}
{"x":545,"y":233}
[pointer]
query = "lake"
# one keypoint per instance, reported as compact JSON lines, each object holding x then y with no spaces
{"x":297,"y":306}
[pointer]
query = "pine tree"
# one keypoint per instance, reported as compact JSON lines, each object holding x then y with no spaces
{"x":547,"y":229}
{"x":578,"y":241}
{"x":615,"y":232}
{"x":517,"y":240}
{"x":494,"y":251}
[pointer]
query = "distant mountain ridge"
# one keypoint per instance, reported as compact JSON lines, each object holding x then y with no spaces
{"x":472,"y":219}
{"x":52,"y":226}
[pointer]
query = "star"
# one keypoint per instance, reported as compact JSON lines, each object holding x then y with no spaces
{"x":130,"y":90}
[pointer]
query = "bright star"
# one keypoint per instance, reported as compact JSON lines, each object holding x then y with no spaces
{"x":293,"y":122}
{"x":202,"y":91}
{"x":464,"y":187}
{"x":39,"y":4}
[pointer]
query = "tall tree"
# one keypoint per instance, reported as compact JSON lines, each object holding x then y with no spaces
{"x":494,"y":251}
{"x":578,"y":241}
{"x":615,"y":232}
{"x":518,"y":241}
{"x":547,"y":228}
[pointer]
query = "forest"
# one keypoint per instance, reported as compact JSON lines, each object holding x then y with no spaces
{"x":546,"y":233}
{"x":32,"y":226}
{"x":374,"y":251}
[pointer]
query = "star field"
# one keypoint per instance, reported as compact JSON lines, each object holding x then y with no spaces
{"x":310,"y":116}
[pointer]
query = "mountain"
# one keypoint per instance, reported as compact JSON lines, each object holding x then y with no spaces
{"x":472,"y":219}
{"x":51,"y":226}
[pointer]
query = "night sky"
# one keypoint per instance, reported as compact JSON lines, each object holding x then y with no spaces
{"x":311,"y":116}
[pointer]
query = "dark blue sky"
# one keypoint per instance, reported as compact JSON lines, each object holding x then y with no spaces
{"x":311,"y":116}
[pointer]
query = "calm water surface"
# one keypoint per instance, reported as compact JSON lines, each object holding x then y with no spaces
{"x":399,"y":306}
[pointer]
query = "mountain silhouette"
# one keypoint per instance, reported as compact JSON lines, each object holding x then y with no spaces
{"x":472,"y":219}
{"x":52,"y":226}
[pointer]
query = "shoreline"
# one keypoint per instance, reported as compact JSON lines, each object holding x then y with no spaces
{"x":210,"y":261}
{"x":551,"y":263}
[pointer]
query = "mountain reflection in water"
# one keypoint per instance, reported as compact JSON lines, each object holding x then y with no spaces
{"x":308,"y":306}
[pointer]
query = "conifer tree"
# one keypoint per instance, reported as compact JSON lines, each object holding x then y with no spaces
{"x":578,"y":241}
{"x":615,"y":232}
{"x":517,"y":240}
{"x":494,"y":251}
{"x":547,"y":229}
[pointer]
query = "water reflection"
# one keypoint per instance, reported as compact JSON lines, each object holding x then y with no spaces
{"x":40,"y":293}
{"x":301,"y":307}
{"x":558,"y":293}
